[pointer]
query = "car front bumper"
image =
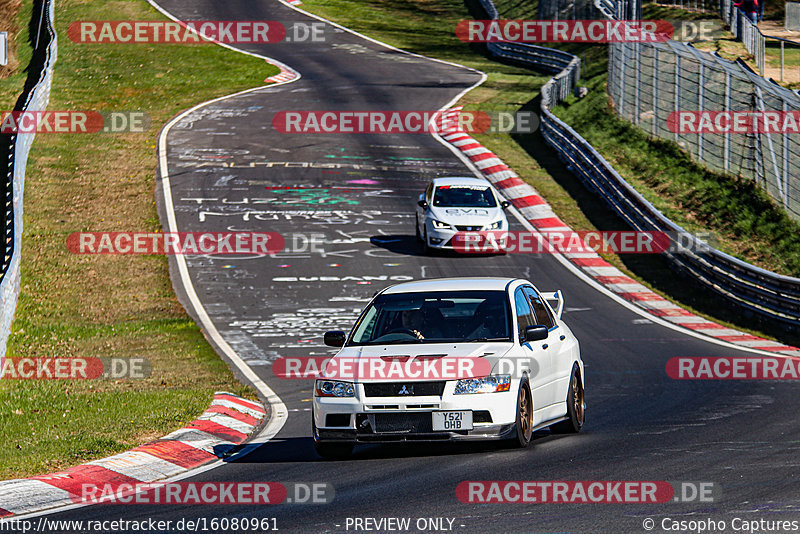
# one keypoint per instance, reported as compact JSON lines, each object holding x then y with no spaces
{"x":409,"y":418}
{"x":445,"y":239}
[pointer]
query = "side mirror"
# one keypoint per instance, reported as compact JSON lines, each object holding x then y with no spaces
{"x":336,"y":338}
{"x":505,"y":204}
{"x":422,"y":204}
{"x":535,"y":333}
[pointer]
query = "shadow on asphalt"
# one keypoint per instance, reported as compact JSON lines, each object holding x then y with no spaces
{"x":399,"y":244}
{"x":409,"y":245}
{"x":298,"y":450}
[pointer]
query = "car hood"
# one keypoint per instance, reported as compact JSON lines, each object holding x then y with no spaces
{"x":492,"y":351}
{"x":466,"y":216}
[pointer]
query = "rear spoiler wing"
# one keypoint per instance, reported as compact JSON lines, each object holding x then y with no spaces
{"x":557,"y":296}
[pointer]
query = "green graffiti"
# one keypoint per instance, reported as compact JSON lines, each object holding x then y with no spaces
{"x":314,"y":196}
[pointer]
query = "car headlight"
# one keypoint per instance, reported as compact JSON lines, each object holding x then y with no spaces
{"x":497,"y":225}
{"x":487,"y":384}
{"x":333,"y":388}
{"x":439,"y":225}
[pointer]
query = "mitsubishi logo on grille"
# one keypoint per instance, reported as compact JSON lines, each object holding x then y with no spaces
{"x":406,"y":391}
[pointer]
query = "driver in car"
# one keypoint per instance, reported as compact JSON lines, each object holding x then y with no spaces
{"x":414,"y":321}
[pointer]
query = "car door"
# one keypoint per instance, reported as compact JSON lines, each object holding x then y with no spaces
{"x":537,"y":358}
{"x":557,"y":348}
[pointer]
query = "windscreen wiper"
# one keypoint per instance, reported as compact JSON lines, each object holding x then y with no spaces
{"x":398,"y":341}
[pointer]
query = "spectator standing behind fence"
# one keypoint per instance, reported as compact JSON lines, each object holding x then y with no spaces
{"x":749,"y":8}
{"x":760,"y":8}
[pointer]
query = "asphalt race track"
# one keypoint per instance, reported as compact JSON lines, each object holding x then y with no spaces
{"x":230,"y":170}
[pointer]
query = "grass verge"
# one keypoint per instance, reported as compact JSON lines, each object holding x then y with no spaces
{"x":121,"y":306}
{"x":428,"y":28}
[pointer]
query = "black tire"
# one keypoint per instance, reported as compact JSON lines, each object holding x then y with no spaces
{"x":576,"y":406}
{"x":416,"y":228}
{"x":425,"y":247}
{"x":524,"y":422}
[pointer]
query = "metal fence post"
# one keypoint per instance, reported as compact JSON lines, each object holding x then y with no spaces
{"x":677,"y":88}
{"x":786,"y":141}
{"x":622,"y":80}
{"x":727,"y":150}
{"x":778,"y":182}
{"x":655,"y":90}
{"x":638,"y":52}
{"x":700,"y":99}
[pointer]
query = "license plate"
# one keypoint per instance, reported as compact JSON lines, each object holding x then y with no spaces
{"x":452,"y":421}
{"x":471,"y":238}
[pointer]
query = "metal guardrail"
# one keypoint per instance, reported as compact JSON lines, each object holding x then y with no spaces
{"x":544,"y":58}
{"x":758,"y":290}
{"x":34,"y":98}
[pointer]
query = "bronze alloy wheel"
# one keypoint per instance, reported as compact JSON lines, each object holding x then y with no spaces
{"x":576,"y":406}
{"x":525,"y":415}
{"x":577,"y":397}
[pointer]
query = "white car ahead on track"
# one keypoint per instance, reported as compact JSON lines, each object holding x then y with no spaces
{"x":530,"y":373}
{"x":452,"y":205}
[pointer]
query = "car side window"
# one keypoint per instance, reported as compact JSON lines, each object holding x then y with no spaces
{"x":540,"y":310}
{"x":429,"y":193}
{"x":524,"y":315}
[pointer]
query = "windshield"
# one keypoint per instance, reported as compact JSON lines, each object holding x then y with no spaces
{"x":434,"y":317}
{"x":464,"y":196}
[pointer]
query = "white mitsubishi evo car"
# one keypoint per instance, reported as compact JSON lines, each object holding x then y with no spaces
{"x":527,"y":371}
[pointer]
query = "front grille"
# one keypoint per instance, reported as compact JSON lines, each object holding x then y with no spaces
{"x":404,"y":422}
{"x":409,"y":389}
{"x":468,"y":228}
